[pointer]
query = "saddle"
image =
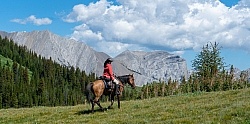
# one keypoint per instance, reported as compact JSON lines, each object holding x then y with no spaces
{"x":108,"y":83}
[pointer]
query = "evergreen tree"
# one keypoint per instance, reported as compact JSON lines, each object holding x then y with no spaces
{"x":15,"y":71}
{"x":163,"y":88}
{"x":207,"y":65}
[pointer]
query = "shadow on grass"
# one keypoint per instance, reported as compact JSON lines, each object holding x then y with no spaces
{"x":90,"y":111}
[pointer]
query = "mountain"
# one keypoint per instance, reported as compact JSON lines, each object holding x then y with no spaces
{"x":146,"y":66}
{"x":157,"y":65}
{"x":238,"y":72}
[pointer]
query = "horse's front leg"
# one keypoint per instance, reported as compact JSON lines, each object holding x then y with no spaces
{"x":118,"y":101}
{"x":111,"y":100}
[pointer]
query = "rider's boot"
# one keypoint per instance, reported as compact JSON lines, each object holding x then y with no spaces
{"x":117,"y":91}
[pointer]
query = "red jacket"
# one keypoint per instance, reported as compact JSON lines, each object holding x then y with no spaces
{"x":108,"y":71}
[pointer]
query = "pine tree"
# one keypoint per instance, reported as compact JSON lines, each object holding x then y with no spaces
{"x":207,"y":65}
{"x":1,"y":83}
{"x":15,"y":71}
{"x":163,"y":88}
{"x":169,"y":87}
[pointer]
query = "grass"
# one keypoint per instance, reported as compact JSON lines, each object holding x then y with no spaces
{"x":227,"y":107}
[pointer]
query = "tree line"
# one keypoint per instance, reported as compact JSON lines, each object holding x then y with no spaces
{"x":209,"y":75}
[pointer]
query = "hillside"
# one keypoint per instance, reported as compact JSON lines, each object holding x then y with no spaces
{"x":28,"y":80}
{"x":214,"y":107}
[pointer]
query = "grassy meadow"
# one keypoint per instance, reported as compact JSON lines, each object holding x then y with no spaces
{"x":227,"y":107}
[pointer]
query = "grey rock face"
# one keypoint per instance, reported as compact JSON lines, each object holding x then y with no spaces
{"x":154,"y":66}
{"x":146,"y":66}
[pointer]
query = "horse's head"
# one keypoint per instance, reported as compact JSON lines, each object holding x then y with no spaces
{"x":131,"y":80}
{"x":127,"y":79}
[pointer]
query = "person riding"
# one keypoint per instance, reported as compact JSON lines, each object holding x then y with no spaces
{"x":108,"y":74}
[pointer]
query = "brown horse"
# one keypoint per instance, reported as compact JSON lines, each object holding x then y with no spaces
{"x":97,"y":89}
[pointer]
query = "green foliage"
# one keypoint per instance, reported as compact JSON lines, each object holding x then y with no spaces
{"x":208,"y":65}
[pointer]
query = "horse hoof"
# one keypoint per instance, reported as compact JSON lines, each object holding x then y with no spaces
{"x":109,"y":107}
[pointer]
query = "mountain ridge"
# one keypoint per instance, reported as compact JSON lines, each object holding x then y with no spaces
{"x":146,"y":66}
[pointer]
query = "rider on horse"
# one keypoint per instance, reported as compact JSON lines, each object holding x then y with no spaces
{"x":108,"y":74}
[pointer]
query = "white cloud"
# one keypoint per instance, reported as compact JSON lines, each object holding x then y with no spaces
{"x":82,"y":12}
{"x":172,"y":25}
{"x":34,"y":20}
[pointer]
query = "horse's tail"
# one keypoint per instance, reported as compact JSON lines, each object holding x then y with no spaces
{"x":88,"y":92}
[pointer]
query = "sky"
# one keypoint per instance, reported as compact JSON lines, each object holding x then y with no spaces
{"x":180,"y":27}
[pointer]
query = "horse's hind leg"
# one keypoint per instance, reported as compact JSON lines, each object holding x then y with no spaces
{"x":93,"y":105}
{"x":98,"y":103}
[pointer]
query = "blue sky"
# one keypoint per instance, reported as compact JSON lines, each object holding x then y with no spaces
{"x":177,"y":26}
